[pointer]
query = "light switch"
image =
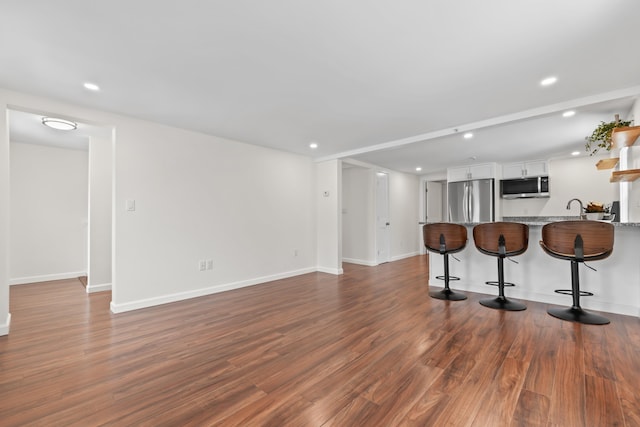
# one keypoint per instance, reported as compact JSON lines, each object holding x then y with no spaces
{"x":131,"y":205}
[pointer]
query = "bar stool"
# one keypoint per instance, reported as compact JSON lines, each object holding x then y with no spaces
{"x":577,"y":241}
{"x":445,"y":238}
{"x":501,"y":240}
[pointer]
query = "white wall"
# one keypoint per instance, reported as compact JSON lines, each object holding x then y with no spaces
{"x":5,"y":316}
{"x":329,"y":218}
{"x":634,"y":156}
{"x":358,"y":216}
{"x":100,"y":230}
{"x":568,"y":178}
{"x":198,"y":197}
{"x":48,"y":235}
{"x":404,"y":204}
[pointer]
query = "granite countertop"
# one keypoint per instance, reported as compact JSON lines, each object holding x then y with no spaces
{"x":543,"y":220}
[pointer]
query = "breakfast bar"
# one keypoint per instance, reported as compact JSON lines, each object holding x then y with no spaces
{"x":615,"y":284}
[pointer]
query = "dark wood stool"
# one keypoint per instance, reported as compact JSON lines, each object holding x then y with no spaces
{"x":445,"y":238}
{"x":577,"y":241}
{"x":501,"y":240}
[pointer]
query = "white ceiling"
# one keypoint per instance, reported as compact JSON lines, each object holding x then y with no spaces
{"x":354,"y":76}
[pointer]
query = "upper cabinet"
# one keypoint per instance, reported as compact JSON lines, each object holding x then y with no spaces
{"x":525,"y":169}
{"x":466,"y":173}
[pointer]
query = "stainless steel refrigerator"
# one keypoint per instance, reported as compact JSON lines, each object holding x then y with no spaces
{"x":471,"y":201}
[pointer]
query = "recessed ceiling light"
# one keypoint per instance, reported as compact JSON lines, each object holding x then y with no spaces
{"x":91,"y":86}
{"x":313,"y":145}
{"x":575,"y":153}
{"x":468,"y":135}
{"x":418,"y":169}
{"x":59,"y":124}
{"x":568,"y":113}
{"x":549,"y":81}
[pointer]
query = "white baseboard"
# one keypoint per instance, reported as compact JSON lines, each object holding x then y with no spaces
{"x":403,"y":256}
{"x":360,"y":262}
{"x":336,"y":271}
{"x":165,"y":299}
{"x":98,"y":288}
{"x":46,"y":278}
{"x":4,"y":327}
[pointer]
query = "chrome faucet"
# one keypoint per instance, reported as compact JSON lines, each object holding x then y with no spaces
{"x":583,"y":215}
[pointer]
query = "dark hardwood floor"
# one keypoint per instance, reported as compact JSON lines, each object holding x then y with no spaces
{"x":368,"y":348}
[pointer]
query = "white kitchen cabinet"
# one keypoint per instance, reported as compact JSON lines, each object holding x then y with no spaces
{"x":525,"y":169}
{"x":465,"y":173}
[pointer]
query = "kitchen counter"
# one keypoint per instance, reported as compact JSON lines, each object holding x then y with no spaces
{"x":539,"y":221}
{"x":615,"y":284}
{"x":542,"y":220}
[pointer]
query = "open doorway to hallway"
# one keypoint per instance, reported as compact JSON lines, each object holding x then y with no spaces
{"x":60,"y":203}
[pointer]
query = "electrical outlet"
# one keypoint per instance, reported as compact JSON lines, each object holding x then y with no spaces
{"x":202,"y":265}
{"x":209,"y":264}
{"x":295,"y":252}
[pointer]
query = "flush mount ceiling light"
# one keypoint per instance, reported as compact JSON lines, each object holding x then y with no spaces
{"x":468,"y":135}
{"x":313,"y":145}
{"x":418,"y":169}
{"x":59,"y":124}
{"x":548,"y":81}
{"x":568,"y":113}
{"x":91,"y":86}
{"x":575,"y":153}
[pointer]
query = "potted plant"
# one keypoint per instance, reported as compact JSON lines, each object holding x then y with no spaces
{"x":601,"y":136}
{"x":595,"y":210}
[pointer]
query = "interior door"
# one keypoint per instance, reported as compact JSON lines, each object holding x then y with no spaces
{"x":383,"y":240}
{"x":434,"y":201}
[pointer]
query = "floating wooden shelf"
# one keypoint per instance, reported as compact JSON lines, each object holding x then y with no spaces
{"x":624,"y":136}
{"x":625,"y":176}
{"x":609,"y":163}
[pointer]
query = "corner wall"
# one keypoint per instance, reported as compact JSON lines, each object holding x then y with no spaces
{"x":100,"y":229}
{"x":5,"y":316}
{"x":328,"y":194}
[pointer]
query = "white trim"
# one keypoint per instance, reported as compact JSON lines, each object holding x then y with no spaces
{"x":4,"y":327}
{"x":46,"y":278}
{"x":508,"y":118}
{"x":180,"y":296}
{"x":336,"y":271}
{"x":98,"y":288}
{"x":360,"y":262}
{"x":403,"y":256}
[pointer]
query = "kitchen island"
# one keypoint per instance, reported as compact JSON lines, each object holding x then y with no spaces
{"x":615,"y":284}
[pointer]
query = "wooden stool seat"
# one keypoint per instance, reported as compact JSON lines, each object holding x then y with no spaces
{"x":501,"y":240}
{"x":577,"y":241}
{"x":445,"y":238}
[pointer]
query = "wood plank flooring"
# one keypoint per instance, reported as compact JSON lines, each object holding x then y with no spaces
{"x":368,"y":348}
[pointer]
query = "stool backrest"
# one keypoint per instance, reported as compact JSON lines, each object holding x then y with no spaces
{"x":559,"y":238}
{"x":516,"y":237}
{"x":455,"y":236}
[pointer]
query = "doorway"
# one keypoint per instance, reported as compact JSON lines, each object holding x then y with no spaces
{"x":60,"y":201}
{"x":435,"y":201}
{"x":383,"y":238}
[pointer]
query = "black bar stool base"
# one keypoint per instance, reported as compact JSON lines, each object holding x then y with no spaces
{"x":503,"y":304}
{"x":447,"y":294}
{"x":578,"y":315}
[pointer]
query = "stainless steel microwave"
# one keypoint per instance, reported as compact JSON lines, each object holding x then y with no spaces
{"x":520,"y":188}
